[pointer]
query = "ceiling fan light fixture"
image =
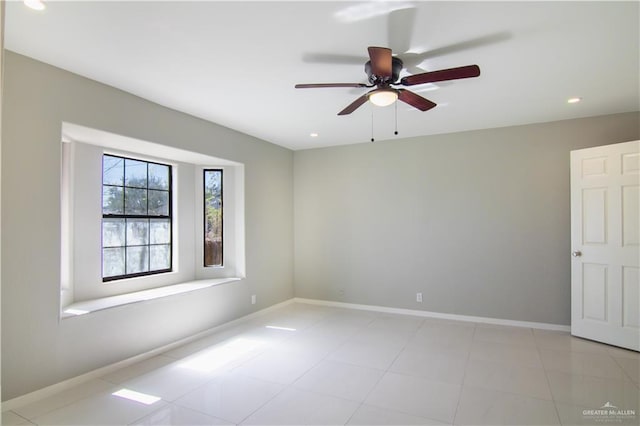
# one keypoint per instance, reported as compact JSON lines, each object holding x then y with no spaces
{"x":383,"y":97}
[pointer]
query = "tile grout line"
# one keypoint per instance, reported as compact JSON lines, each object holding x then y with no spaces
{"x":637,"y":384}
{"x":387,"y":370}
{"x":81,"y":398}
{"x":149,"y":414}
{"x":230,"y":371}
{"x":464,"y":375}
{"x":546,"y":377}
{"x":373,"y":318}
{"x":22,"y":417}
{"x":284,"y":387}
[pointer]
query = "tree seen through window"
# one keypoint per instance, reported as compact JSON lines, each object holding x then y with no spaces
{"x":213,"y":218}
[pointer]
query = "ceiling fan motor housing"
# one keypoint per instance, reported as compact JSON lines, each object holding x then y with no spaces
{"x":396,"y":67}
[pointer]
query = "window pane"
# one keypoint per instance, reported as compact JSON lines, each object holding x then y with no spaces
{"x":137,"y":259}
{"x":158,"y":176}
{"x":213,"y":217}
{"x":113,"y":232}
{"x":135,"y":201}
{"x":137,"y":232}
{"x":158,"y":203}
{"x":112,"y":200}
{"x":112,"y":262}
{"x":160,"y":257}
{"x":213,"y":188}
{"x":135,"y":173}
{"x":159,"y":231}
{"x":112,"y":170}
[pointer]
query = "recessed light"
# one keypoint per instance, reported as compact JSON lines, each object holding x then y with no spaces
{"x":573,"y":100}
{"x":313,"y":135}
{"x":35,"y":4}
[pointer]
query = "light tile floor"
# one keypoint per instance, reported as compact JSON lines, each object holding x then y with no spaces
{"x":305,"y":365}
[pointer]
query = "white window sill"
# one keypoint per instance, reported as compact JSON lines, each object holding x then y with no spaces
{"x":88,"y":306}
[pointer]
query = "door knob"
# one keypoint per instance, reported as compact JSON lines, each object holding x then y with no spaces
{"x":576,"y":253}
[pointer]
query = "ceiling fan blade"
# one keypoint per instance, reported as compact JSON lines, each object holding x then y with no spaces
{"x":354,"y":105}
{"x":400,"y":29}
{"x":324,"y":85}
{"x":460,"y":46}
{"x":415,"y":100}
{"x":380,"y":61}
{"x":332,"y":58}
{"x":412,"y":60}
{"x":442,"y":75}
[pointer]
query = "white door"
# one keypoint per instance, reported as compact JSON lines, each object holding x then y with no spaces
{"x":605,"y":239}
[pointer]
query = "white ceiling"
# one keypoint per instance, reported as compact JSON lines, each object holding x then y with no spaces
{"x":236,"y":63}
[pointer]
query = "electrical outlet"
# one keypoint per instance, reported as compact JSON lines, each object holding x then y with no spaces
{"x":253,"y":299}
{"x":419,"y":297}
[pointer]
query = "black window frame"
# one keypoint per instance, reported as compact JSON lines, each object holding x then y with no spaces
{"x":204,"y":217}
{"x":148,"y":217}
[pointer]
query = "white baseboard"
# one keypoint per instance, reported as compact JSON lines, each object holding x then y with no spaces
{"x":428,"y":314}
{"x":102,"y":371}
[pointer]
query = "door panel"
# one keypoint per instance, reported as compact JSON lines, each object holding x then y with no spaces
{"x":631,"y":295}
{"x":594,"y":292}
{"x":605,"y":239}
{"x":594,"y":216}
{"x":630,"y":215}
{"x":631,"y":164}
{"x":594,"y":166}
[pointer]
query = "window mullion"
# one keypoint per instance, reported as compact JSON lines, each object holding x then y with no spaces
{"x":126,"y":244}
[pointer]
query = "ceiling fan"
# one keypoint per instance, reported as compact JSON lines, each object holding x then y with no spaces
{"x":383,"y":71}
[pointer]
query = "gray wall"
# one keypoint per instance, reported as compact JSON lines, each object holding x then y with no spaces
{"x":37,"y":348}
{"x":476,"y":221}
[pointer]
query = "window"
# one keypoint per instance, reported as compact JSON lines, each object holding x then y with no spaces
{"x":212,"y":193}
{"x":136,"y":218}
{"x":106,"y":241}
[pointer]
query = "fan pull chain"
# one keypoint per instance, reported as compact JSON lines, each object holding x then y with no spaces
{"x":372,"y":139}
{"x":396,"y":130}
